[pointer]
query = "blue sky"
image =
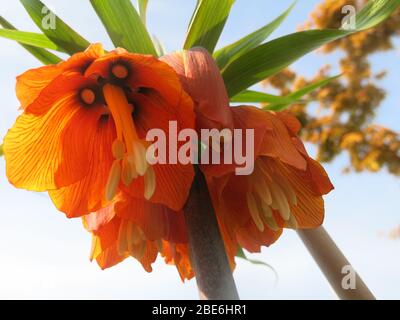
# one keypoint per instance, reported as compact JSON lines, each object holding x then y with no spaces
{"x":44,"y":255}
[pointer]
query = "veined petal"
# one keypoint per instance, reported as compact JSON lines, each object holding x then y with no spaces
{"x":279,"y":144}
{"x":81,"y":60}
{"x":309,"y":210}
{"x":66,"y":84}
{"x":250,"y":238}
{"x":87,"y":195}
{"x":155,"y":220}
{"x":172,"y":188}
{"x":50,"y":151}
{"x":144,"y":71}
{"x":32,"y":82}
{"x":152,"y":111}
{"x":202,"y":79}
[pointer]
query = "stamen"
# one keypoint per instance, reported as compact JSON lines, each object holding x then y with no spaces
{"x":113,"y":180}
{"x":139,"y":158}
{"x":134,"y":234}
{"x":122,"y":243}
{"x":127,"y":171}
{"x":286,"y":188}
{"x":128,"y":147}
{"x":271,"y":223}
{"x":254,"y":212}
{"x":149,"y":183}
{"x":120,"y":71}
{"x":281,"y":201}
{"x":88,"y":96}
{"x":292,"y":223}
{"x":262,"y":189}
{"x":266,"y":209}
{"x":137,"y":251}
{"x":118,"y":149}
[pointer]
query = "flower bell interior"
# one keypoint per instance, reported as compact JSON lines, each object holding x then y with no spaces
{"x":129,"y":151}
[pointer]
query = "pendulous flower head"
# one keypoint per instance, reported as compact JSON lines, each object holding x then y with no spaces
{"x":81,"y":135}
{"x":286,"y":186}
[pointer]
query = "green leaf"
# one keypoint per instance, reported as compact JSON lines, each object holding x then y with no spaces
{"x":271,"y":57}
{"x":311,"y":87}
{"x":42,"y":55}
{"x":240,"y":254}
{"x":161,"y":51}
{"x":252,"y":96}
{"x":54,"y":28}
{"x":124,"y":25}
{"x":297,"y":95}
{"x":226,"y":55}
{"x":29,"y":38}
{"x":143,"y":10}
{"x":207,"y":23}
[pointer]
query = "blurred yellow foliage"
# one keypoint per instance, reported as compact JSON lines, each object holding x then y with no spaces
{"x":347,"y":106}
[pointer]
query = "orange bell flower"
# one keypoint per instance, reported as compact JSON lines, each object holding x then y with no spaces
{"x":286,"y":187}
{"x":82,"y":132}
{"x":142,"y":230}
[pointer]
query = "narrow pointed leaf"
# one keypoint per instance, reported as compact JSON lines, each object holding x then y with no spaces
{"x":42,"y":55}
{"x":124,"y":25}
{"x":143,"y":10}
{"x":161,"y":51}
{"x":311,"y":87}
{"x":29,"y":38}
{"x":240,"y":254}
{"x":207,"y":23}
{"x":297,"y":95}
{"x":231,"y":52}
{"x":59,"y":32}
{"x":271,"y":57}
{"x":251,"y":96}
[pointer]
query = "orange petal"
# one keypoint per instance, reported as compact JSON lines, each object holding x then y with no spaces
{"x":202,"y":79}
{"x":250,"y":238}
{"x":290,"y":121}
{"x":279,"y":144}
{"x":64,"y":85}
{"x":144,"y":72}
{"x":96,"y":220}
{"x":321,"y":182}
{"x":32,"y":82}
{"x":155,"y":220}
{"x":245,"y":117}
{"x":108,"y":257}
{"x":152,"y":111}
{"x":173,"y":184}
{"x":87,"y":195}
{"x":81,"y":60}
{"x":309,"y":211}
{"x":50,"y":151}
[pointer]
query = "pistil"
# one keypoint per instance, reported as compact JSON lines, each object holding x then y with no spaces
{"x":128,"y":149}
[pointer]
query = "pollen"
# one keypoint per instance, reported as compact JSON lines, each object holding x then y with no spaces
{"x":88,"y":96}
{"x":120,"y":71}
